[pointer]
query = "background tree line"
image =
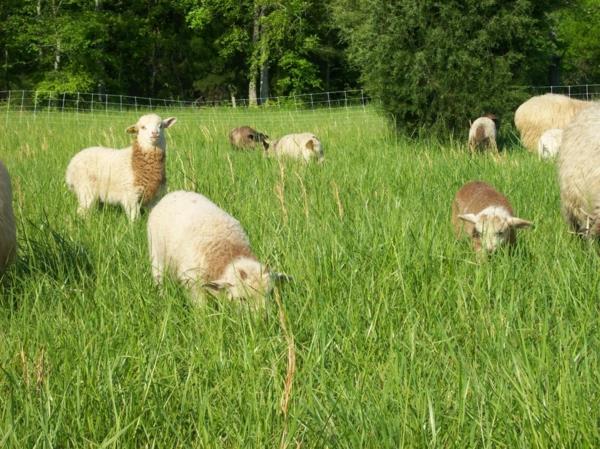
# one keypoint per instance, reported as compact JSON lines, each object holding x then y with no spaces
{"x":432,"y":63}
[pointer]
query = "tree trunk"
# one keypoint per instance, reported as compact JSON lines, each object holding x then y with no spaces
{"x":264,"y":82}
{"x":258,"y":12}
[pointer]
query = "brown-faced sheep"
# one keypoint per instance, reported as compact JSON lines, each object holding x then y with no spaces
{"x":485,"y":215}
{"x":246,"y":138}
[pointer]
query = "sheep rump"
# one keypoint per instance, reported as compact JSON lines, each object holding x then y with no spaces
{"x":482,"y":133}
{"x":8,"y":231}
{"x":544,"y":112}
{"x":579,"y":173}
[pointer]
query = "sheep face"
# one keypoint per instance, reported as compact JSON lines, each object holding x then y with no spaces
{"x":149,"y":130}
{"x":313,"y":149}
{"x":245,"y":278}
{"x":493,"y":228}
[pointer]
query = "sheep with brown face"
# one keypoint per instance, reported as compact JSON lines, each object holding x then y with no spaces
{"x":246,"y":138}
{"x":483,"y":133}
{"x":486,"y":216}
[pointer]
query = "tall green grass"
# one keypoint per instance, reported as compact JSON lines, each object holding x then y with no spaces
{"x":401,"y":338}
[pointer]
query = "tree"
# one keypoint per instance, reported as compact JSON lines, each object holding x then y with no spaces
{"x":439,"y":64}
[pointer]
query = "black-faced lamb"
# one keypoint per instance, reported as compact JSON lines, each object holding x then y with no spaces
{"x":486,"y":216}
{"x":132,"y":177}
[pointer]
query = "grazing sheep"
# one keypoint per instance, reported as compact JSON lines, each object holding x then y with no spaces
{"x":486,"y":216}
{"x":549,"y":143}
{"x":132,"y":177}
{"x":8,"y":231}
{"x":205,"y":248}
{"x":579,"y":172}
{"x":544,"y":112}
{"x":245,"y":138}
{"x":483,"y":133}
{"x":304,"y":146}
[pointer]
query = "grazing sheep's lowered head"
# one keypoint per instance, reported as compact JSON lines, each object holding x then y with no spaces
{"x":245,"y":277}
{"x":149,"y":130}
{"x":494,"y":227}
{"x":485,"y":215}
{"x":549,"y":143}
{"x":245,"y":137}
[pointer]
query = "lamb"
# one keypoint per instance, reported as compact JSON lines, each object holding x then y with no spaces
{"x":245,"y":138}
{"x":545,"y":112}
{"x":304,"y":146}
{"x":483,"y":133}
{"x":579,"y":173}
{"x":486,"y":216}
{"x":206,"y":249}
{"x":132,"y":177}
{"x":8,"y":231}
{"x":549,"y":143}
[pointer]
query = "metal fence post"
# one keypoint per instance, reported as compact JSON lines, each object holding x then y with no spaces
{"x":35,"y":94}
{"x":22,"y":99}
{"x":8,"y":107}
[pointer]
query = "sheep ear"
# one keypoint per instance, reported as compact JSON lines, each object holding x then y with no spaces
{"x":168,"y":122}
{"x":471,"y":218}
{"x":217,"y":286}
{"x":280,"y":278}
{"x":310,"y":145}
{"x":133,"y":129}
{"x":517,"y":222}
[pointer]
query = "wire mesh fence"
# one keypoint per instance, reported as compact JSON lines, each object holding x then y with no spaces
{"x":588,"y":92}
{"x":97,"y":103}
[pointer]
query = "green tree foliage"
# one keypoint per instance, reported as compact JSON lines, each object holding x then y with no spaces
{"x":439,"y":64}
{"x":578,"y":34}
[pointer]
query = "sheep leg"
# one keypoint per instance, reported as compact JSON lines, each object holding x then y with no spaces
{"x":86,"y":201}
{"x":132,"y":208}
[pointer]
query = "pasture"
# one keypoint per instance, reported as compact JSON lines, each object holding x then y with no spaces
{"x":399,"y":337}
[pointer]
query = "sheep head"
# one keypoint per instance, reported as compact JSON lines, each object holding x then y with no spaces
{"x":493,"y":228}
{"x":149,"y":130}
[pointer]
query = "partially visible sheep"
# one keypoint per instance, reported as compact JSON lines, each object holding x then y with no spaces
{"x":132,"y":177}
{"x":8,"y":231}
{"x":304,"y":146}
{"x":549,"y":143}
{"x":579,"y":172}
{"x":205,"y":248}
{"x":486,"y":216}
{"x":544,"y":112}
{"x":245,"y":138}
{"x":483,"y":133}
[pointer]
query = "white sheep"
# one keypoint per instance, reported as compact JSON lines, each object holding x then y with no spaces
{"x":549,"y":143}
{"x":205,"y":248}
{"x":304,"y":146}
{"x":8,"y":231}
{"x":544,"y":112}
{"x":579,"y":172}
{"x":132,"y":177}
{"x":483,"y":133}
{"x":486,"y":216}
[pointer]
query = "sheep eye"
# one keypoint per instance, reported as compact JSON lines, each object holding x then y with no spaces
{"x":143,"y":127}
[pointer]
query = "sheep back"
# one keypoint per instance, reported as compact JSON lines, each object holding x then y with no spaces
{"x":544,"y":112}
{"x":304,"y":146}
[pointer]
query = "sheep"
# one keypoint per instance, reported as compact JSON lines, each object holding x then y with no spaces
{"x":549,"y":143}
{"x":486,"y":216}
{"x":132,"y":177}
{"x":579,"y":173}
{"x":483,"y":133}
{"x":304,"y":146}
{"x":8,"y":231}
{"x":245,"y":137}
{"x":544,"y":112}
{"x":206,"y":249}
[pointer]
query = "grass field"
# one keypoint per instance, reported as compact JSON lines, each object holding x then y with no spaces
{"x":400,"y":338}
